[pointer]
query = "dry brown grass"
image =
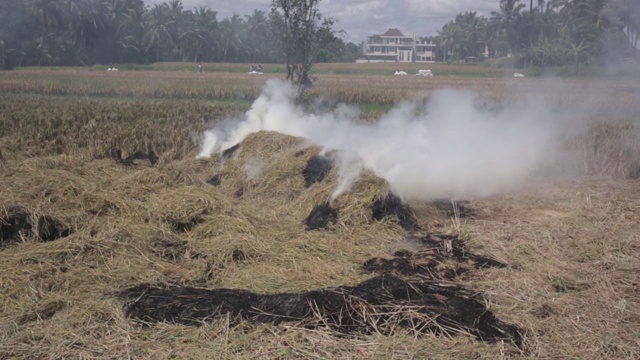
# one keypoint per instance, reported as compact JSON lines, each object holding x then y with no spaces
{"x":574,"y":250}
{"x":572,"y":246}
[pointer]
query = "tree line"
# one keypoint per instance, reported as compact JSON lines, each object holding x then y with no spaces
{"x":87,"y":32}
{"x":546,"y":33}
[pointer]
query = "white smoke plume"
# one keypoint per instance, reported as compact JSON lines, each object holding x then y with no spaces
{"x":252,"y":168}
{"x":448,"y":147}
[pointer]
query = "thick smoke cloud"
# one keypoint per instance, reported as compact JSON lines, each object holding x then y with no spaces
{"x":448,"y":147}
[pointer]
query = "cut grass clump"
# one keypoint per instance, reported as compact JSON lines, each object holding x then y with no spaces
{"x":563,"y":285}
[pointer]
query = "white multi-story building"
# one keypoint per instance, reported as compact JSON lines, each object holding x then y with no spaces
{"x":393,"y":46}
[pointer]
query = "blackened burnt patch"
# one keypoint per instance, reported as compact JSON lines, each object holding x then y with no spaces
{"x":229,"y":152}
{"x":431,"y":252}
{"x":391,"y":205}
{"x":381,"y":304}
{"x":321,"y":217}
{"x":408,"y":264}
{"x":411,"y":291}
{"x":14,"y":227}
{"x":116,"y":154}
{"x":18,"y":225}
{"x":316,"y":170}
{"x":455,"y":246}
{"x":214,"y":180}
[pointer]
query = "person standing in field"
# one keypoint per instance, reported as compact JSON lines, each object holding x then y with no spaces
{"x":199,"y":68}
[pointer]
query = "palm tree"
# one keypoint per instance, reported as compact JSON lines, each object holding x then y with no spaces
{"x":582,"y":19}
{"x":577,"y":50}
{"x":35,"y":52}
{"x":175,"y":9}
{"x":90,"y":22}
{"x":539,"y":6}
{"x":626,"y":14}
{"x":159,"y":22}
{"x":72,"y":53}
{"x":506,"y":18}
{"x":200,"y":34}
{"x":509,"y":10}
{"x":230,"y":32}
{"x":488,"y":36}
{"x":125,"y":23}
{"x":471,"y":29}
{"x":49,"y":14}
{"x":257,"y":35}
{"x":447,"y":36}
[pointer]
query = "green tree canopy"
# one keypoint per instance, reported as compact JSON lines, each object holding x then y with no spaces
{"x":87,"y":32}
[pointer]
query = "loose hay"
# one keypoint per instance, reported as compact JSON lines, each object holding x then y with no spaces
{"x":561,"y":237}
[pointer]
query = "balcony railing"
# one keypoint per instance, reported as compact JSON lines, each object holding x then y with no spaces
{"x":381,"y":53}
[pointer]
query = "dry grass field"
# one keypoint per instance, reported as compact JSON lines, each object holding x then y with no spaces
{"x":118,"y":243}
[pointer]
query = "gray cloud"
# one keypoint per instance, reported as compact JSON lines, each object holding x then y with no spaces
{"x":360,"y":18}
{"x":449,"y":7}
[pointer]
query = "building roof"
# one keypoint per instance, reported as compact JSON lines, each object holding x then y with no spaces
{"x":393,"y":32}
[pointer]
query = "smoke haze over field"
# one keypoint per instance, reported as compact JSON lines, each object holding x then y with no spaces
{"x":449,"y":147}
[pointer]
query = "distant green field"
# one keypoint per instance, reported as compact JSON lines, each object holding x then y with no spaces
{"x":471,"y":70}
{"x":493,"y":68}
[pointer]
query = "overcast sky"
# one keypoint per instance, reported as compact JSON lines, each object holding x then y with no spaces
{"x":359,"y":18}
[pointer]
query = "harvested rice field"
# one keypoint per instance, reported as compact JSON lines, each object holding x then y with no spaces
{"x":178,"y":215}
